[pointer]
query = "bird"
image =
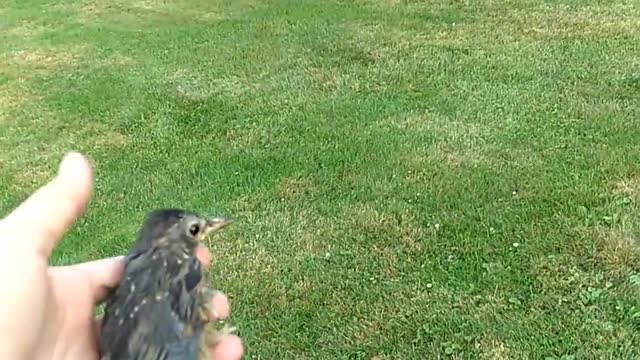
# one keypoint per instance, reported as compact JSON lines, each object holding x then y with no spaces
{"x":162,"y":307}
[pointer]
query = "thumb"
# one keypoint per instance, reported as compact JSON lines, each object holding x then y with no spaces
{"x":41,"y":220}
{"x":100,"y":275}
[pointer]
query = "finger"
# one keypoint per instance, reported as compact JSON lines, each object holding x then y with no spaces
{"x":101,"y":275}
{"x":229,"y":348}
{"x":42,"y":219}
{"x":203,"y":254}
{"x":221,"y":305}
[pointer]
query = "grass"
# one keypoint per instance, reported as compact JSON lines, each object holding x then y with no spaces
{"x":411,"y":179}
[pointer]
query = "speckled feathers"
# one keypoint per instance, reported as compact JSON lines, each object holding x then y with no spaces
{"x":156,"y":311}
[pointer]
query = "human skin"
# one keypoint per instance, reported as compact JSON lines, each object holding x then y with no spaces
{"x":47,"y":312}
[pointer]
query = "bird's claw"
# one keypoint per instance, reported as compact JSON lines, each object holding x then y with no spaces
{"x":213,"y":336}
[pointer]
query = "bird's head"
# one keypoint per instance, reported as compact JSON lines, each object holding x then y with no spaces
{"x":166,"y":226}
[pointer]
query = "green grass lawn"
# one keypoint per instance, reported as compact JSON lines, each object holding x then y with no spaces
{"x":410,"y":179}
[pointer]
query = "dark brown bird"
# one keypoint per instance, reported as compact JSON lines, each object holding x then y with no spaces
{"x":162,"y":306}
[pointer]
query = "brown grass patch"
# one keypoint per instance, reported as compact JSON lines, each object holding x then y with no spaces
{"x":23,"y":64}
{"x":609,"y":257}
{"x":290,"y":188}
{"x":616,"y":249}
{"x":92,"y":9}
{"x":627,"y":187}
{"x":42,"y":58}
{"x":110,"y":139}
{"x":204,"y":11}
{"x":493,"y":349}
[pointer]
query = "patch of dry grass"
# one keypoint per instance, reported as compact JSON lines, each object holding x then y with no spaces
{"x":628,"y":187}
{"x":42,"y":59}
{"x":28,"y":63}
{"x":494,"y":349}
{"x":291,"y":188}
{"x":199,"y":11}
{"x":617,"y":250}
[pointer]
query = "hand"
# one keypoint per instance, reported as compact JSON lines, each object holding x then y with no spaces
{"x":47,"y":312}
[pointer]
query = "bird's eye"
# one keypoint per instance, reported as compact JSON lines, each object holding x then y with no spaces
{"x":194,"y":229}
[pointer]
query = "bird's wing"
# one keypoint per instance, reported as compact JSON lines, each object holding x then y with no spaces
{"x":188,"y":348}
{"x":184,"y":292}
{"x":149,"y":310}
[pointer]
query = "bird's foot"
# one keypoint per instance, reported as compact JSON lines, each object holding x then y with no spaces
{"x":212,"y":335}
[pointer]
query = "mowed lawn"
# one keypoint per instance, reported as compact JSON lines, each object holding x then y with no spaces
{"x":410,"y":179}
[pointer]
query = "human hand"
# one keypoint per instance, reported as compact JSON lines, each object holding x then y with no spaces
{"x":47,"y":312}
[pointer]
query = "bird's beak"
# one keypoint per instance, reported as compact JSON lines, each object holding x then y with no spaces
{"x":216,"y":224}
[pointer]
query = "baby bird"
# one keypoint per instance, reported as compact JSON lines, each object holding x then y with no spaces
{"x":160,"y":309}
